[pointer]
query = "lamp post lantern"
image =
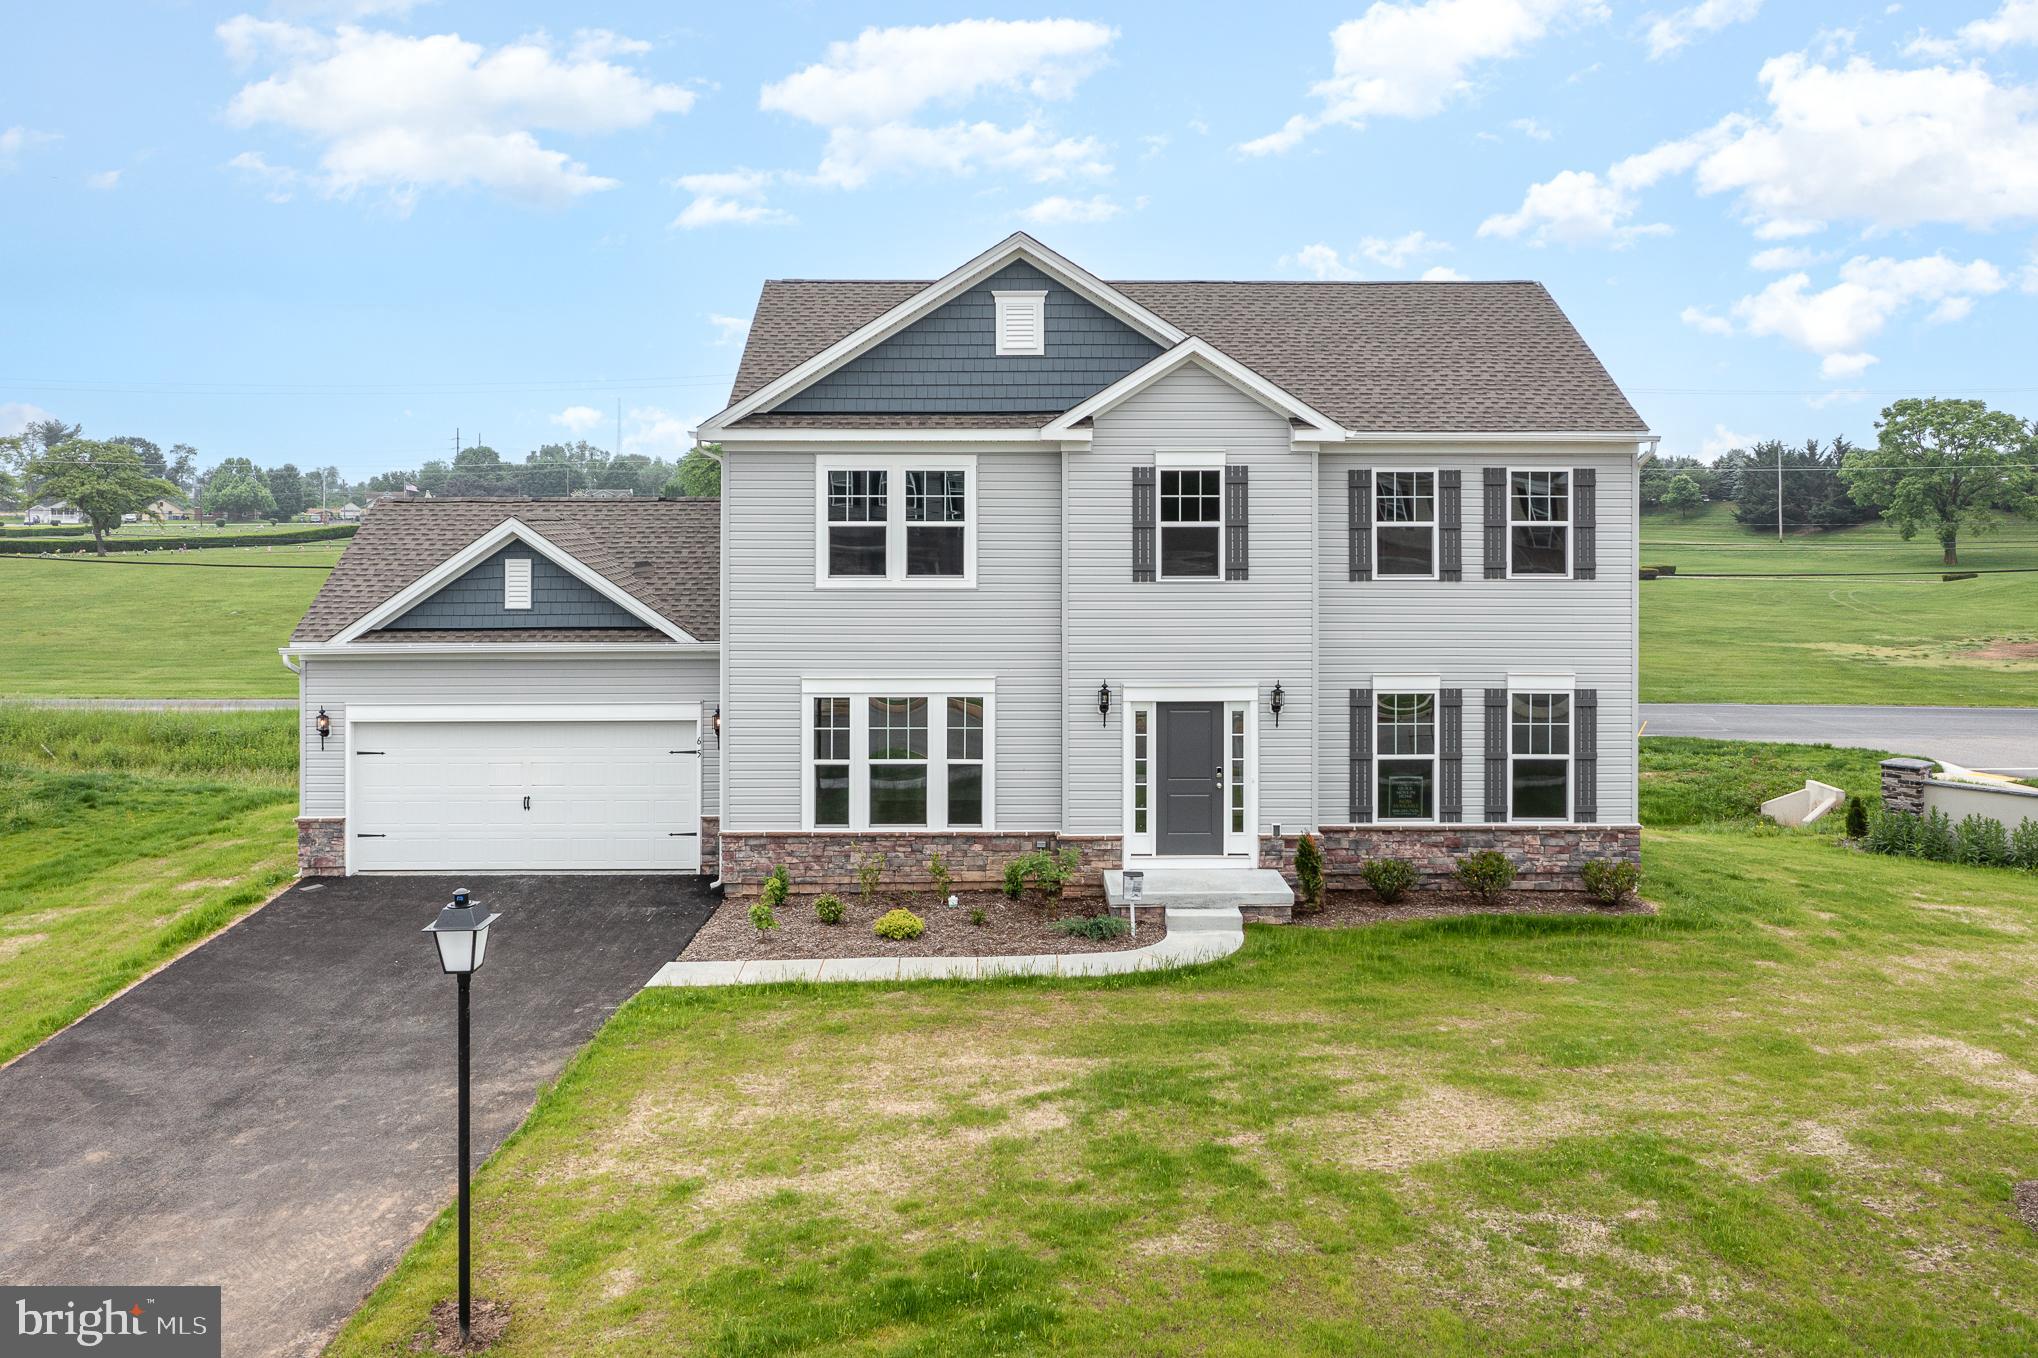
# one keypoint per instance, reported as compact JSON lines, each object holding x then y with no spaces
{"x":461,"y":934}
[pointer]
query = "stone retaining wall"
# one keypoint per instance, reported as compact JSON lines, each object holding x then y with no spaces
{"x":1545,"y":857}
{"x":974,"y":859}
{"x":321,"y":846}
{"x":1903,"y":785}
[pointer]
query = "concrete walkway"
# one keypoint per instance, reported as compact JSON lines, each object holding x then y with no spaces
{"x":1193,"y":936}
{"x":1996,"y":739}
{"x":164,"y":704}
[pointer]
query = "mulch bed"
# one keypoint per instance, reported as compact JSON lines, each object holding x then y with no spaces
{"x":489,"y":1320}
{"x":1009,"y":928}
{"x":1342,"y":909}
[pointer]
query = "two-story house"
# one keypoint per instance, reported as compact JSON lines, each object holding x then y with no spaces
{"x":1168,"y":572}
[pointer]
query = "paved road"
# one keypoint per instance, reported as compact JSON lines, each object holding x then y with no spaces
{"x":165,"y":704}
{"x":2000,"y":739}
{"x":274,"y":1112}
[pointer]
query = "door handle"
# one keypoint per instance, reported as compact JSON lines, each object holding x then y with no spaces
{"x":527,"y":803}
{"x":1218,"y":777}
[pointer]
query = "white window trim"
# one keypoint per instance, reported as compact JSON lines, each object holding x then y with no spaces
{"x":1567,"y":524}
{"x":1034,"y":300}
{"x":1570,"y":753}
{"x":516,"y":582}
{"x":895,"y":468}
{"x":1435,"y":514}
{"x":1238,"y":847}
{"x":1424,"y":686}
{"x":1191,"y":460}
{"x":859,"y":691}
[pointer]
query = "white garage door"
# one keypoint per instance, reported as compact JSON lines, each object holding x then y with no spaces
{"x":524,"y":796}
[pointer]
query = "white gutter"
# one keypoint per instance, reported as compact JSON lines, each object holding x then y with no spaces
{"x":285,"y":652}
{"x":375,"y":648}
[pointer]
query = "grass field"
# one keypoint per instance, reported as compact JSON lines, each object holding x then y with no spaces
{"x":125,"y":838}
{"x":169,"y":529}
{"x":201,"y":624}
{"x":1783,"y":1116}
{"x":1852,"y":638}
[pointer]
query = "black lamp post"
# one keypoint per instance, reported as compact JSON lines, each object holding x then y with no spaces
{"x":1104,"y":703}
{"x":461,"y":933}
{"x":1277,"y":700}
{"x":324,"y":725}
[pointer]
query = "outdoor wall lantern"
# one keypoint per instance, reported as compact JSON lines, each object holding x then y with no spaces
{"x":718,"y":723}
{"x":461,"y":934}
{"x":1104,"y":703}
{"x":1277,"y":700}
{"x":324,"y":725}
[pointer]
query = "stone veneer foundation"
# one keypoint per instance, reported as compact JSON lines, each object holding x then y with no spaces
{"x":321,"y":846}
{"x":1545,"y":857}
{"x":974,"y":859}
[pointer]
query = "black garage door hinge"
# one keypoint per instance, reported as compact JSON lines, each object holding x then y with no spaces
{"x":682,"y":751}
{"x":682,"y":834}
{"x":363,"y":834}
{"x":371,"y":752}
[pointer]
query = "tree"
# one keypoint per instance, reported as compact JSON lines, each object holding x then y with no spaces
{"x":238,"y":495}
{"x":150,"y":454}
{"x":699,"y":475}
{"x":550,"y":471}
{"x":478,"y":470}
{"x":1814,"y":496}
{"x":104,"y":480}
{"x":42,"y":436}
{"x":1945,"y":466}
{"x":1684,"y":496}
{"x":286,"y":488}
{"x":182,"y":457}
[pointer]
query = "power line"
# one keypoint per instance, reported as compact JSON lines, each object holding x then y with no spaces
{"x":478,"y":387}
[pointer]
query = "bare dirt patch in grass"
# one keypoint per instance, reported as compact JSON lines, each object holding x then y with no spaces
{"x":1345,"y":908}
{"x":1010,"y":928}
{"x":14,"y":945}
{"x":490,"y":1321}
{"x":1440,"y":1123}
{"x":2025,"y":1199}
{"x":2001,"y":650}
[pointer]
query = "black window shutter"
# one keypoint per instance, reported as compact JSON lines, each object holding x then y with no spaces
{"x":1359,"y":495}
{"x":1450,"y":524}
{"x":1142,"y":523}
{"x":1585,"y":754}
{"x":1496,"y":756}
{"x":1237,"y":524}
{"x":1451,"y":754}
{"x":1362,"y":756}
{"x":1584,"y":523}
{"x":1496,"y":523}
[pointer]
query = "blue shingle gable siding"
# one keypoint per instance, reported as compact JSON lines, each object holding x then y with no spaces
{"x":475,"y":600}
{"x":948,"y":360}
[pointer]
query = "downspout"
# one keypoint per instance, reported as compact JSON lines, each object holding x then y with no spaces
{"x":1062,"y":623}
{"x":1315,"y":629}
{"x":722,"y":677}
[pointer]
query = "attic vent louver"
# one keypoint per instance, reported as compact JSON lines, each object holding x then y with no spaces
{"x":516,"y":582}
{"x":1022,"y":323}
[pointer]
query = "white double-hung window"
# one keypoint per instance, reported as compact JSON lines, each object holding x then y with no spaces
{"x":893,"y":754}
{"x":1539,"y":756}
{"x":1405,"y":524}
{"x":895,"y":521}
{"x":1405,"y":754}
{"x":1538,"y":523}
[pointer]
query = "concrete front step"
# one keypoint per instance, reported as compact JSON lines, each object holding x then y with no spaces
{"x":1200,"y":918}
{"x":1250,"y":890}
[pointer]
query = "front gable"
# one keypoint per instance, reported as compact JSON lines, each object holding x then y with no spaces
{"x":947,"y":361}
{"x":475,"y":600}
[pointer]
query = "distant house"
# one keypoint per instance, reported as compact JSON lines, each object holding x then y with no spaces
{"x":348,"y":512}
{"x":167,"y":509}
{"x":51,"y":511}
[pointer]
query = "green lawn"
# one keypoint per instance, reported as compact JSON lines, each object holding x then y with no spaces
{"x":171,"y":528}
{"x":199,"y":624}
{"x":125,"y":838}
{"x":1783,"y":1116}
{"x":1854,"y":638}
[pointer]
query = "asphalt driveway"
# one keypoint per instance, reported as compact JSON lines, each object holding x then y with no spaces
{"x":275,"y":1111}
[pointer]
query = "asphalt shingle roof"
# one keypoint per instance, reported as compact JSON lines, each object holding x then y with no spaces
{"x":664,"y":553}
{"x":1377,"y":357}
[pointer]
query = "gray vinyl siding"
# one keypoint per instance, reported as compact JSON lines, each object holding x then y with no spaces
{"x":1214,"y":633}
{"x":1471,"y":633}
{"x":558,"y":599}
{"x":948,"y":360}
{"x":779,"y":628}
{"x":334,"y":683}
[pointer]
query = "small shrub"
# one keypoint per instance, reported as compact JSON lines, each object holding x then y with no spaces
{"x":1486,"y":874}
{"x":778,"y":884}
{"x":1984,"y":842}
{"x":1611,"y":881}
{"x":870,"y":875}
{"x":1015,"y":876}
{"x":1950,"y":577}
{"x":1891,"y":832}
{"x":2024,"y":845}
{"x":1648,"y":573}
{"x":1857,"y":818}
{"x":828,"y":909}
{"x":1936,"y":839}
{"x":1048,"y":871}
{"x":938,"y":870}
{"x":1309,"y":872}
{"x":898,"y":925}
{"x":1096,"y":928}
{"x":977,"y":916}
{"x":1389,"y":877}
{"x":763,"y":918}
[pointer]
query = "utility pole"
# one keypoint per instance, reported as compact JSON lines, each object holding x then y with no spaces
{"x":619,"y":426}
{"x":1779,"y":494}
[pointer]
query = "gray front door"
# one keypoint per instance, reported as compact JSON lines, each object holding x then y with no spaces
{"x":1191,"y":779}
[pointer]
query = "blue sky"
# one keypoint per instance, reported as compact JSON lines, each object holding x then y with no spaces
{"x":336,"y":232}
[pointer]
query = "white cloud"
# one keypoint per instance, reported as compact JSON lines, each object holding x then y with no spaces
{"x":1442,"y":273}
{"x":1723,"y":441}
{"x":103,"y":180}
{"x":1666,"y":33}
{"x":16,"y":416}
{"x":729,"y":198}
{"x":1057,"y":210}
{"x":1837,"y":322}
{"x":15,"y":140}
{"x":856,"y":155}
{"x":1155,"y":143}
{"x":599,"y":44}
{"x":1411,"y":60}
{"x":1531,"y":129}
{"x":1321,"y":260}
{"x":1399,"y":253}
{"x":657,"y":433}
{"x":1780,"y":257}
{"x":577,"y":420}
{"x":277,"y":182}
{"x":404,"y":114}
{"x":2015,"y":22}
{"x":1705,"y":319}
{"x":729,"y":329}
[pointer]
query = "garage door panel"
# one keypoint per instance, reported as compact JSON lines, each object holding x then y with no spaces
{"x":451,"y":796}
